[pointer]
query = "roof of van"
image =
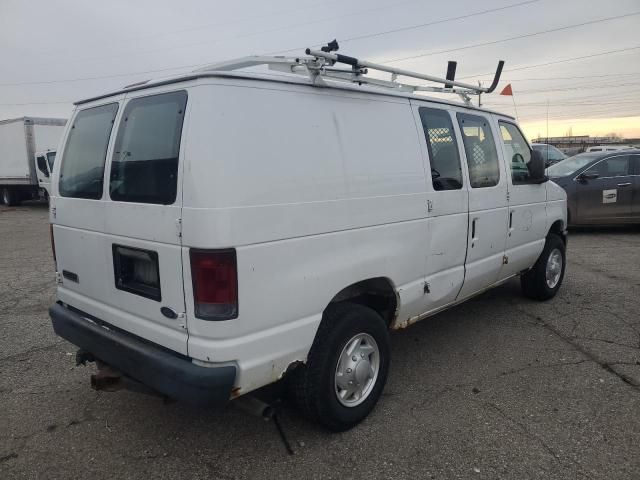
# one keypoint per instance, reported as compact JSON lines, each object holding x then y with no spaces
{"x":281,"y":78}
{"x":36,"y":121}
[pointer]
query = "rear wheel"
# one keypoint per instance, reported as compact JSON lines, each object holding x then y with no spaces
{"x":543,"y":281}
{"x":9,"y":197}
{"x":346,"y":369}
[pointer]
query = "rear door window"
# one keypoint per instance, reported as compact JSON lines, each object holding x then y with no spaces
{"x":82,"y":172}
{"x":446,"y":173}
{"x":480,"y":149}
{"x":144,"y":167}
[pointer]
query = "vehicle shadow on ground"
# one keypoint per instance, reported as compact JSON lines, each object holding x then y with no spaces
{"x":430,"y":347}
{"x":26,"y":205}
{"x":613,"y":230}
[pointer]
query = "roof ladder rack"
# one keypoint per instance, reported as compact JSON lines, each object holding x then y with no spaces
{"x":319,"y":65}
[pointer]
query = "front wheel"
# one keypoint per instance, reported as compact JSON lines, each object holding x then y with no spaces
{"x":346,"y":369}
{"x":543,"y":281}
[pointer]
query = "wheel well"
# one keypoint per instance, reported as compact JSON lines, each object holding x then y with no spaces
{"x":375,"y":293}
{"x":559,"y":229}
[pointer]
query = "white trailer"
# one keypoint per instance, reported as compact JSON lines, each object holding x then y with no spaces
{"x":22,"y":177}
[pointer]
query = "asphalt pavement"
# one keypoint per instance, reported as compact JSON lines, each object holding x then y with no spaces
{"x":499,"y":387}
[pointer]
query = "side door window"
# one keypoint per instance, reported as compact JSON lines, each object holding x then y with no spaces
{"x":446,"y":171}
{"x":517,"y":151}
{"x":613,"y":167}
{"x":480,"y":149}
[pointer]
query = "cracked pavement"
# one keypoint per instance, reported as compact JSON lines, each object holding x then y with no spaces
{"x":499,"y":387}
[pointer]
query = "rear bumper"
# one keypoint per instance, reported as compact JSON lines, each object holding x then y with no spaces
{"x":166,"y":372}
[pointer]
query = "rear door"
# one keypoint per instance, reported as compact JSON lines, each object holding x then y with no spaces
{"x":607,"y":198}
{"x":448,"y":200}
{"x":118,"y":217}
{"x":487,"y":227}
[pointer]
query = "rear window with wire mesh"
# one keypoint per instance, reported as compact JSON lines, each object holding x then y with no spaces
{"x":480,"y":149}
{"x":446,"y":172}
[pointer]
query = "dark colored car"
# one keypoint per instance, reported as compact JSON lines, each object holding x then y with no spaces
{"x":550,"y":154}
{"x":603,"y":188}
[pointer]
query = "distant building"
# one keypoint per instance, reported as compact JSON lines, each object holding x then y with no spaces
{"x":579,"y":143}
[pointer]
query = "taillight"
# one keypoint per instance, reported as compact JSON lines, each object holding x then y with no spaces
{"x":53,"y":242}
{"x":215,"y":284}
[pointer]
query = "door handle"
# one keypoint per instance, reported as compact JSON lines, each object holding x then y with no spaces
{"x":626,"y":184}
{"x":473,"y":231}
{"x":510,"y":222}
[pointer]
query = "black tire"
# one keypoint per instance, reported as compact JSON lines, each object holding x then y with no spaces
{"x":9,"y":197}
{"x":534,"y":282}
{"x":312,"y":385}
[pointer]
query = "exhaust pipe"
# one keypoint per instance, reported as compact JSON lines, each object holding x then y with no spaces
{"x":107,"y":379}
{"x":255,"y":406}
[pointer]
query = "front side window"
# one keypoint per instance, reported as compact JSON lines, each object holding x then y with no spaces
{"x":517,"y":150}
{"x":82,"y":170}
{"x":144,"y":167}
{"x":480,"y":148}
{"x":612,"y":167}
{"x":42,"y":165}
{"x":51,"y":158}
{"x":446,"y":173}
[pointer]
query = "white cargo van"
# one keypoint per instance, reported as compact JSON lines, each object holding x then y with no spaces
{"x":219,"y":231}
{"x":27,"y":152}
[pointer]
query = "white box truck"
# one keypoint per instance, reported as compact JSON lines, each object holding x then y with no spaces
{"x":27,"y":152}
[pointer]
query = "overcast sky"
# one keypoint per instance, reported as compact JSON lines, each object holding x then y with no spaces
{"x":55,"y":52}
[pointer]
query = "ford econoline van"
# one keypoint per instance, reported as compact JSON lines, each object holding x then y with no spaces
{"x":222,"y":230}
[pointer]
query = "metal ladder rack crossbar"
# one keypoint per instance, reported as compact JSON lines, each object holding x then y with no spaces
{"x":319,"y":65}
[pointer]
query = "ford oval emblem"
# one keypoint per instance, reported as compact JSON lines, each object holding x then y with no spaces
{"x":169,"y":313}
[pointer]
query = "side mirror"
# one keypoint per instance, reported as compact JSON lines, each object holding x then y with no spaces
{"x":588,"y":175}
{"x":537,"y":167}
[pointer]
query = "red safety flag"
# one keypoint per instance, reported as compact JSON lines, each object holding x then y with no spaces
{"x":507,"y":91}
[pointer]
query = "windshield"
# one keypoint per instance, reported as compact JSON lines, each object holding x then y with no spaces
{"x":572,"y":164}
{"x":51,"y":158}
{"x":549,"y":152}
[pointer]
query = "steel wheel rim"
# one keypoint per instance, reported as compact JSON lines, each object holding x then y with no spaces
{"x":357,"y":370}
{"x":554,"y":268}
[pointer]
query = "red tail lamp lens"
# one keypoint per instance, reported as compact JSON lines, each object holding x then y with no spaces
{"x":214,"y":274}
